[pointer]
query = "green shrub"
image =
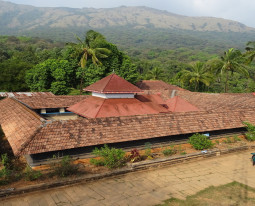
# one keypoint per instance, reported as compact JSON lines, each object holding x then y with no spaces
{"x":148,"y":152}
{"x":65,"y":167}
{"x":236,"y":138}
{"x":5,"y":172}
{"x":250,"y":135}
{"x":183,"y":153}
{"x":110,"y":157}
{"x":228,"y":140}
{"x":31,"y":175}
{"x":200,"y":142}
{"x":169,"y":151}
{"x":217,"y":142}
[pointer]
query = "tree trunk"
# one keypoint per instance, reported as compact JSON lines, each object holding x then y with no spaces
{"x":81,"y":83}
{"x":195,"y":86}
{"x":226,"y":83}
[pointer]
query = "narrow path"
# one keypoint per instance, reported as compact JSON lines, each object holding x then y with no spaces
{"x":147,"y":187}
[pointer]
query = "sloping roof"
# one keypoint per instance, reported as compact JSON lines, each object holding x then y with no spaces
{"x":41,"y":102}
{"x":219,"y":101}
{"x":157,"y":85}
{"x":113,"y":84}
{"x":177,"y":104}
{"x":60,"y":135}
{"x":154,"y":101}
{"x":25,"y":94}
{"x":94,"y":107}
{"x":18,"y":123}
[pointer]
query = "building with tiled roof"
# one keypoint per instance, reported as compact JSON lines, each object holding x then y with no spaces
{"x":113,"y":96}
{"x":26,"y":94}
{"x":117,"y":112}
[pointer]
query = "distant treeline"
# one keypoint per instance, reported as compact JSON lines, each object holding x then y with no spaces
{"x":28,"y":63}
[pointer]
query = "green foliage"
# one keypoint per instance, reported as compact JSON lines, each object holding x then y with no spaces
{"x":23,"y":60}
{"x":156,"y":74}
{"x":231,"y":62}
{"x":92,"y":47}
{"x":169,"y":151}
{"x":51,"y":75}
{"x":200,"y":142}
{"x":148,"y":152}
{"x":12,"y":76}
{"x":5,"y":171}
{"x":250,"y":135}
{"x":65,"y":167}
{"x":109,"y":157}
{"x":198,"y":75}
{"x":31,"y":175}
{"x":228,"y":140}
{"x":236,"y":138}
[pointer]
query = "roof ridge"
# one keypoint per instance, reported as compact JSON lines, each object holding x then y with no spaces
{"x":108,"y":82}
{"x":26,"y":107}
{"x":30,"y":138}
{"x":99,"y":108}
{"x":176,"y":99}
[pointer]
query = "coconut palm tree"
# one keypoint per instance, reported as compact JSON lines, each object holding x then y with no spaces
{"x":196,"y":74}
{"x":250,"y":51}
{"x":232,"y":61}
{"x":91,"y":48}
{"x":156,"y":73}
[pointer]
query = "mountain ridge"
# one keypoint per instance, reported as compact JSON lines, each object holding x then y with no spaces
{"x":25,"y":18}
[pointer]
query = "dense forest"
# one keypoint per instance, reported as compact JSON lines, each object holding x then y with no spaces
{"x":197,"y":64}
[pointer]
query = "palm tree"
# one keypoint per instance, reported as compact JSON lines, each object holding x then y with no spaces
{"x":197,"y":74}
{"x":156,"y":73}
{"x":250,"y":51}
{"x":232,"y":61}
{"x":90,"y":48}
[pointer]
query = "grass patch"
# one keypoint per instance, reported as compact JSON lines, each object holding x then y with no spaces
{"x":230,"y":194}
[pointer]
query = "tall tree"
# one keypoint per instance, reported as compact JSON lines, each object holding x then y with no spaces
{"x":89,"y":48}
{"x":232,"y":61}
{"x":156,"y":73}
{"x":196,"y":74}
{"x":250,"y":51}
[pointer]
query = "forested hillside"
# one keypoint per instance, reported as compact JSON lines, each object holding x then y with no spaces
{"x":34,"y":64}
{"x":41,"y":51}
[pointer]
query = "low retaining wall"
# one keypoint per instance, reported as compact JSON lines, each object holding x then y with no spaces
{"x":131,"y":167}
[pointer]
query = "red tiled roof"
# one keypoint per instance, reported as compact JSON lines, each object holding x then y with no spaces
{"x":94,"y":107}
{"x":26,"y":94}
{"x":154,"y":101}
{"x":157,"y":85}
{"x":219,"y":101}
{"x":177,"y":104}
{"x":60,"y":135}
{"x":18,"y":123}
{"x":113,"y":84}
{"x":51,"y":102}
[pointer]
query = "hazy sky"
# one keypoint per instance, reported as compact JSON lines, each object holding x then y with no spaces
{"x":239,"y":10}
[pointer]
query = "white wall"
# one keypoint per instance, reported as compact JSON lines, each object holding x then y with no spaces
{"x":113,"y":96}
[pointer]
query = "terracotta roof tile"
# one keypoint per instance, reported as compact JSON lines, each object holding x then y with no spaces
{"x":219,"y":101}
{"x":88,"y":132}
{"x":18,"y":123}
{"x":177,"y":104}
{"x":94,"y":107}
{"x":41,"y":102}
{"x":157,"y":85}
{"x":26,"y":94}
{"x":113,"y":84}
